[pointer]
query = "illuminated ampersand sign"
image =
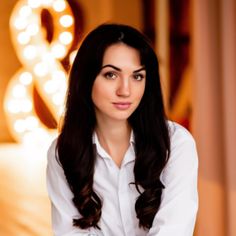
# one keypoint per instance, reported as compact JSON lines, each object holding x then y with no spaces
{"x":41,"y":67}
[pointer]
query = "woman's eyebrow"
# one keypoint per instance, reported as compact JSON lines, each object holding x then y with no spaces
{"x":114,"y":67}
{"x":142,"y":68}
{"x":118,"y":69}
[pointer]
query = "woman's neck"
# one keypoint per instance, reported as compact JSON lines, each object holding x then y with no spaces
{"x":115,"y":131}
{"x":114,"y":138}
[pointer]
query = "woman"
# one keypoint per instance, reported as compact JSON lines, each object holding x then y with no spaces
{"x":118,"y":166}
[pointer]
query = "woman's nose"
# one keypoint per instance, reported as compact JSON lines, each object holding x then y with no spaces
{"x":123,"y":87}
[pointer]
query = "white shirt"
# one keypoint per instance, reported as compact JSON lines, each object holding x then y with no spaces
{"x":176,"y":215}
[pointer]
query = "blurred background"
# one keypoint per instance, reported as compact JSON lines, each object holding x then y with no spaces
{"x":195,"y":41}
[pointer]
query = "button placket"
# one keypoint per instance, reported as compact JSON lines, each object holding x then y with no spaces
{"x":124,"y":202}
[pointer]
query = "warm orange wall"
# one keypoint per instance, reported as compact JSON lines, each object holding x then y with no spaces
{"x":214,"y":126}
{"x":9,"y":63}
{"x":121,"y":11}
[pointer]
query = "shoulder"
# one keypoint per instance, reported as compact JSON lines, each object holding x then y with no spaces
{"x":52,"y":155}
{"x":183,"y":150}
{"x":52,"y":150}
{"x":179,"y":135}
{"x":183,"y":159}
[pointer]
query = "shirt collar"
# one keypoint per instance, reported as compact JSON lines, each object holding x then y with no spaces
{"x":100,"y":150}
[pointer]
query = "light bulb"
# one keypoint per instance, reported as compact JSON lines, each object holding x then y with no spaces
{"x":34,"y":3}
{"x":41,"y":69}
{"x":20,"y":23}
{"x":72,"y":56}
{"x":26,"y":78}
{"x":30,"y":52}
{"x":23,"y":38}
{"x":19,"y":91}
{"x":65,"y":38}
{"x":47,"y":2}
{"x":26,"y":105}
{"x":66,"y":20}
{"x":25,"y":11}
{"x":58,"y":50}
{"x":59,"y":5}
{"x":32,"y":29}
{"x":58,"y":74}
{"x":19,"y":126}
{"x":13,"y":106}
{"x":50,"y":86}
{"x":58,"y":99}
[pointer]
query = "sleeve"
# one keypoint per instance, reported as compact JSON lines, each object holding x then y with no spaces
{"x":62,"y":208}
{"x":179,"y":204}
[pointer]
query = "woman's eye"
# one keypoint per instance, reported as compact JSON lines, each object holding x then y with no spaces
{"x":110,"y":75}
{"x":138,"y":77}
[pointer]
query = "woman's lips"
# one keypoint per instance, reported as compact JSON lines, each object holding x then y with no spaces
{"x":122,"y":105}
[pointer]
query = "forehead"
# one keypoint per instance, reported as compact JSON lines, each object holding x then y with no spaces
{"x":121,"y":53}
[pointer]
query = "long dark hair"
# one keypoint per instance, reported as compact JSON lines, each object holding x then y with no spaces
{"x":152,"y":142}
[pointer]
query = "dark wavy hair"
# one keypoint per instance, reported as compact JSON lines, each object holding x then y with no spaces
{"x":152,"y":142}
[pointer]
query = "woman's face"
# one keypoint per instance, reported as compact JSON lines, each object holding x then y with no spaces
{"x":120,"y":84}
